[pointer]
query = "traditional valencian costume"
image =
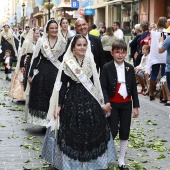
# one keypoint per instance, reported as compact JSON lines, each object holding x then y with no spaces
{"x":19,"y":81}
{"x":43,"y":72}
{"x":7,"y":43}
{"x":82,"y":141}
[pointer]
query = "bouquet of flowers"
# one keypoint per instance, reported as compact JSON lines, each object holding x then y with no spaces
{"x":48,"y":5}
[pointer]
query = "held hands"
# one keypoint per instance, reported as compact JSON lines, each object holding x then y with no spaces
{"x":29,"y":79}
{"x":57,"y":113}
{"x":22,"y":69}
{"x":135,"y":112}
{"x":107,"y":108}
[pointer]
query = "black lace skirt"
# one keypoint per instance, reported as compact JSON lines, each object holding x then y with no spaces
{"x":41,"y":89}
{"x":84,"y":132}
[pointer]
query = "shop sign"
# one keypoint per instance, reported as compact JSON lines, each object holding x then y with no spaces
{"x":74,"y":4}
{"x":89,"y":11}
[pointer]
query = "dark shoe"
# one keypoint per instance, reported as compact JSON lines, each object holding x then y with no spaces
{"x":9,"y":79}
{"x":152,"y":98}
{"x":6,"y":78}
{"x":123,"y":167}
{"x":167,"y":104}
{"x":163,"y":101}
{"x":145,"y":93}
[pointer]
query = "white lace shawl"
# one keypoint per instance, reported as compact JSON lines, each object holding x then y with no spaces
{"x":10,"y":35}
{"x":27,"y":47}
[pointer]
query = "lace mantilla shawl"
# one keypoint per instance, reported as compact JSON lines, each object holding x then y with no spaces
{"x":86,"y":68}
{"x":58,"y":49}
{"x":9,"y":35}
{"x":28,"y":47}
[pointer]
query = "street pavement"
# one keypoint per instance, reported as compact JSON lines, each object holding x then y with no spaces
{"x":21,"y":143}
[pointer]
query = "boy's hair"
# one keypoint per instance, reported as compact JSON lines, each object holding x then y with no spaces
{"x":146,"y":47}
{"x":8,"y":51}
{"x":119,"y":45}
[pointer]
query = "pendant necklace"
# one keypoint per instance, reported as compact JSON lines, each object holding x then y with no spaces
{"x":65,"y":35}
{"x":52,"y":48}
{"x":80,"y":63}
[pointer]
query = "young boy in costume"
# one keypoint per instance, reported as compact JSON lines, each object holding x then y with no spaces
{"x":119,"y":89}
{"x":8,"y":64}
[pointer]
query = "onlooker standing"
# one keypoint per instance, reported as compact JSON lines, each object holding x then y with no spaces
{"x":102,"y":32}
{"x":133,"y":43}
{"x":101,"y":24}
{"x":118,"y":33}
{"x":94,"y":31}
{"x":107,"y":42}
{"x":94,"y":42}
{"x":163,"y":46}
{"x":72,"y":31}
{"x":144,"y":25}
{"x":156,"y":60}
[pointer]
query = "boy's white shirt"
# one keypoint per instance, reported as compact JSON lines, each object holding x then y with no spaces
{"x":121,"y":79}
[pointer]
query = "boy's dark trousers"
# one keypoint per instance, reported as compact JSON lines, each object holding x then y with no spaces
{"x":120,"y":119}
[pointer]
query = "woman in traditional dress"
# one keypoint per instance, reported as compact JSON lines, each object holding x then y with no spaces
{"x":16,"y":37}
{"x":43,"y":73}
{"x":7,"y":43}
{"x":23,"y":36}
{"x":64,"y":29}
{"x":19,"y":82}
{"x":83,"y":140}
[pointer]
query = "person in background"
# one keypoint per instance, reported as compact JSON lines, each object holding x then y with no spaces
{"x":101,"y":24}
{"x":8,"y":64}
{"x":152,"y":26}
{"x":23,"y":35}
{"x":94,"y":31}
{"x":119,"y":89}
{"x":81,"y":27}
{"x":118,"y":33}
{"x":107,"y":42}
{"x":168,"y":24}
{"x":164,"y":45}
{"x":144,"y":25}
{"x":7,"y":43}
{"x":164,"y":92}
{"x":102,"y":32}
{"x":133,"y":43}
{"x":156,"y":60}
{"x":72,"y":31}
{"x":140,"y":70}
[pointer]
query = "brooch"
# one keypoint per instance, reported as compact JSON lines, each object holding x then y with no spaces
{"x":127,"y":68}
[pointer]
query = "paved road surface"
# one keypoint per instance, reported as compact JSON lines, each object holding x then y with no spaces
{"x":20,"y":143}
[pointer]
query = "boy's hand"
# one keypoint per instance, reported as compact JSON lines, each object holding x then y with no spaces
{"x":135,"y":112}
{"x":107,"y":108}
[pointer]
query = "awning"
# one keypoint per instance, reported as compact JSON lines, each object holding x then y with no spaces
{"x":38,"y":14}
{"x":118,"y":2}
{"x":63,"y":5}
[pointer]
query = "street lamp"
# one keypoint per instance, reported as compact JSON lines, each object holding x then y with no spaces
{"x":23,"y":8}
{"x":15,"y":19}
{"x":49,"y":10}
